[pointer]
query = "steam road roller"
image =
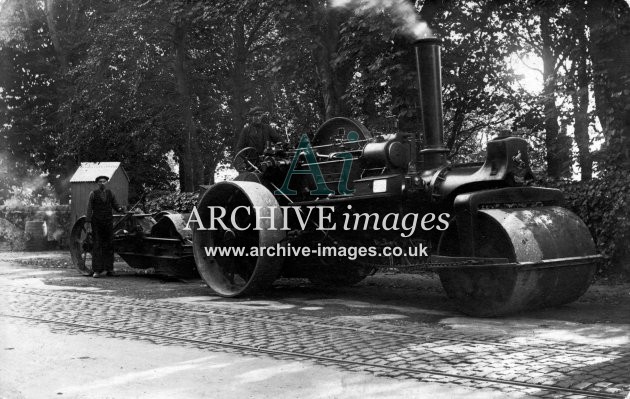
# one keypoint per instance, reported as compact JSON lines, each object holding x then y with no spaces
{"x":345,"y":202}
{"x":498,"y":244}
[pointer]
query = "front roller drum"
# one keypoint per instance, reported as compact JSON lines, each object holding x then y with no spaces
{"x":233,"y":275}
{"x":551,"y":260}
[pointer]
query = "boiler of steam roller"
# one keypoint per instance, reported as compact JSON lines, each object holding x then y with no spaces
{"x":499,"y":245}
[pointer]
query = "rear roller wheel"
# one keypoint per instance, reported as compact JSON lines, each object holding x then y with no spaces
{"x":232,"y":275}
{"x":81,"y":247}
{"x":520,"y":235}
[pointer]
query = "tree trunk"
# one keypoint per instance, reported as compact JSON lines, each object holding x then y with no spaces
{"x":334,"y":80}
{"x":553,"y":145}
{"x":608,"y":22}
{"x":182,"y":171}
{"x":63,"y":86}
{"x":27,"y":11}
{"x":210,"y":171}
{"x":51,"y":17}
{"x":580,"y":99}
{"x":239,"y":77}
{"x":458,"y":121}
{"x":198,"y":164}
{"x":580,"y":129}
{"x":192,"y":169}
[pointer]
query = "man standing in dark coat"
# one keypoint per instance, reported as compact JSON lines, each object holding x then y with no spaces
{"x":99,"y":221}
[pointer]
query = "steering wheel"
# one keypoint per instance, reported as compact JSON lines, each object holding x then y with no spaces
{"x":244,"y":159}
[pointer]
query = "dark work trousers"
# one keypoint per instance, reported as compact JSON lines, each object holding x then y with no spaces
{"x":103,"y":249}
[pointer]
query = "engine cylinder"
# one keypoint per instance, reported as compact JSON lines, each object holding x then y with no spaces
{"x":392,"y":153}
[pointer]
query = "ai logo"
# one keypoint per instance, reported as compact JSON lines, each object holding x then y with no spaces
{"x":312,"y":168}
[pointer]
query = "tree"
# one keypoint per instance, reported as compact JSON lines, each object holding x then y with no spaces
{"x":33,"y":64}
{"x":580,"y":80}
{"x":191,"y":167}
{"x":609,"y":46}
{"x":477,"y":84}
{"x":558,"y":150}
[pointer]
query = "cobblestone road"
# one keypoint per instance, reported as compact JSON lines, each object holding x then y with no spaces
{"x":534,"y":366}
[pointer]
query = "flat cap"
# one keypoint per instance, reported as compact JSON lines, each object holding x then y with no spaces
{"x":256,"y":110}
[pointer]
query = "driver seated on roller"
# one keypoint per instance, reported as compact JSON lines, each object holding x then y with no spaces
{"x":257,"y":133}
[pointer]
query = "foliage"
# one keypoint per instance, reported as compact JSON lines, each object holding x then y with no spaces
{"x":28,"y":96}
{"x":603,"y":204}
{"x":108,"y":90}
{"x":33,"y":192}
{"x":178,"y":202}
{"x":14,"y":238}
{"x":13,"y":222}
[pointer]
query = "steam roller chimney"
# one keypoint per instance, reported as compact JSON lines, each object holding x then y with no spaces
{"x":429,"y":68}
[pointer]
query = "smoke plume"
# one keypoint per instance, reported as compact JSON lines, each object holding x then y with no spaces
{"x":402,"y":13}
